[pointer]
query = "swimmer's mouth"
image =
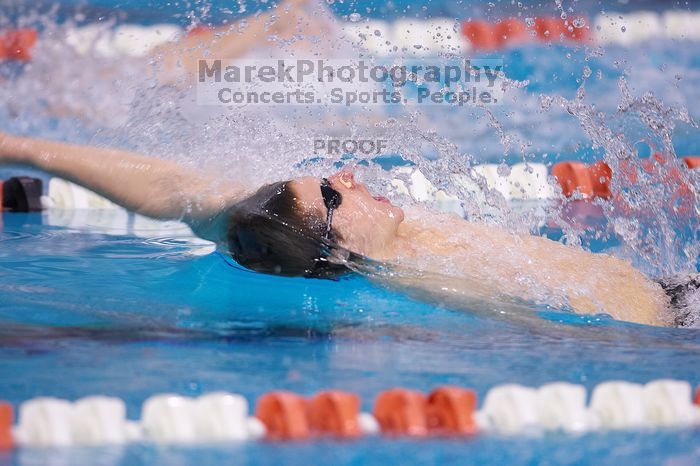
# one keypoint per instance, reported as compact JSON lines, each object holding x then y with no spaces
{"x":381,"y":199}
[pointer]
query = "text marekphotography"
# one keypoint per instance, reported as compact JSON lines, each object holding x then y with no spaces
{"x":242,"y":83}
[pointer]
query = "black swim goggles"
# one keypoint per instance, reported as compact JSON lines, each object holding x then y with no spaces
{"x":332,"y":200}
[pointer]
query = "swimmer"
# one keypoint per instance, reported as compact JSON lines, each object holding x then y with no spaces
{"x":294,"y":29}
{"x":329,"y":227}
{"x":111,"y":88}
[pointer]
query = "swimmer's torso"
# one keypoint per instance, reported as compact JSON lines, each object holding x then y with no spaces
{"x":484,"y":262}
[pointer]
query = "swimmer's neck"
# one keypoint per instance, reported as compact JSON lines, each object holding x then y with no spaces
{"x":420,"y":235}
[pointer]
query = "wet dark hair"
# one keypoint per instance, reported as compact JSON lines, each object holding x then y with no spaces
{"x":268,"y":232}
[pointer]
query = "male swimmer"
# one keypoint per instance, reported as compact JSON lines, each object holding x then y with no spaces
{"x":294,"y":29}
{"x":328,"y":227}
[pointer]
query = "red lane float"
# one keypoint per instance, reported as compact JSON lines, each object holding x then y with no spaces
{"x":17,"y":44}
{"x":450,"y":410}
{"x":573,"y":177}
{"x":288,"y":416}
{"x":6,"y":418}
{"x":557,"y":29}
{"x":335,"y":413}
{"x":400,"y":411}
{"x":692,"y":162}
{"x":593,"y":181}
{"x":284,"y":416}
{"x":511,"y":30}
{"x":481,"y":35}
{"x":601,"y":174}
{"x":484,"y":35}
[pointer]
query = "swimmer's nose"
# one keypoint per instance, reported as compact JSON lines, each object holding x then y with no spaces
{"x":345,"y":177}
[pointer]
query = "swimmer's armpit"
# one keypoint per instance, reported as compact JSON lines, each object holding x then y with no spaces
{"x":153,"y":187}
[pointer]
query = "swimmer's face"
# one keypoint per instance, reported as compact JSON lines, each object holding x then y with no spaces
{"x":368,"y":224}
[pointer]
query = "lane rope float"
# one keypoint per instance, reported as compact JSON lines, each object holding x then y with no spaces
{"x":447,"y":411}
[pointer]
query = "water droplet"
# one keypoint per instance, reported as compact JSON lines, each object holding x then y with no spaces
{"x":530,"y":22}
{"x":377,"y":32}
{"x":579,"y":23}
{"x":563,"y":15}
{"x":503,"y":170}
{"x":355,"y":17}
{"x":623,"y":28}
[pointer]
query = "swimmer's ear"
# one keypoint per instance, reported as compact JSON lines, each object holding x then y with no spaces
{"x":338,"y":256}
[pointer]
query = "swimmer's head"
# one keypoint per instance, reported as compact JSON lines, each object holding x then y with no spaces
{"x":270,"y":232}
{"x":283,"y":228}
{"x":366,"y":224}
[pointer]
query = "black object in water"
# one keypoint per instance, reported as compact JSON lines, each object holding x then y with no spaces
{"x":22,"y":194}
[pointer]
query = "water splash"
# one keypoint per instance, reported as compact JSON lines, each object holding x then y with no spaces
{"x":123,"y":106}
{"x":655,"y":210}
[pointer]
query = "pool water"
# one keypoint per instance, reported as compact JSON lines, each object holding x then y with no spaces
{"x":84,"y":313}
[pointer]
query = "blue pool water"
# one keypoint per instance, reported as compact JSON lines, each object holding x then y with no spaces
{"x":85,"y":313}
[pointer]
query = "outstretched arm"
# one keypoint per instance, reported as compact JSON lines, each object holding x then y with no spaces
{"x":230,"y":41}
{"x":153,"y":187}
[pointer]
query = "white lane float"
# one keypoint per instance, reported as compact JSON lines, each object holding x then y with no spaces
{"x":69,"y":205}
{"x":445,"y":37}
{"x":668,"y":403}
{"x":509,"y":409}
{"x":131,"y":40}
{"x":63,"y":194}
{"x":214,"y":417}
{"x":99,"y":420}
{"x":421,"y":189}
{"x":519,"y":182}
{"x":139,"y":41}
{"x":374,"y":37}
{"x":413,"y":38}
{"x":628,"y":28}
{"x":681,"y":25}
{"x":618,"y":405}
{"x":168,"y":418}
{"x":52,"y":422}
{"x":223,"y":416}
{"x":45,"y":422}
{"x":529,"y":181}
{"x":562,"y":406}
